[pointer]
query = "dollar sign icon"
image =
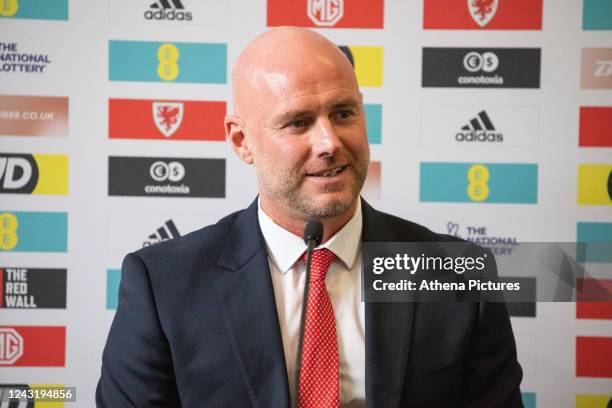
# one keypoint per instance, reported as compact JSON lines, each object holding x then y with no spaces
{"x":491,"y":62}
{"x":8,"y":231}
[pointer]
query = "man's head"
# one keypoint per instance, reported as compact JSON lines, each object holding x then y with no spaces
{"x":299,"y":119}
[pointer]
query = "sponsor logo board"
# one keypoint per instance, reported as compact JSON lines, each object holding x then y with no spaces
{"x":481,"y":67}
{"x":514,"y":183}
{"x":595,"y":184}
{"x":32,"y":288}
{"x":113,"y":279}
{"x":476,"y":126}
{"x":166,"y":177}
{"x":595,"y":126}
{"x":368,"y":63}
{"x":593,"y":401}
{"x":529,"y":399}
{"x":482,"y":14}
{"x":587,"y":304}
{"x":326,"y":13}
{"x":373,"y":113}
{"x":33,"y":115}
{"x":34,"y":9}
{"x":166,"y":120}
{"x":32,"y":346}
{"x":371,"y":187}
{"x":26,"y":231}
{"x":33,"y":174}
{"x":177,"y":12}
{"x":596,"y":68}
{"x":594,"y":232}
{"x":149,"y":61}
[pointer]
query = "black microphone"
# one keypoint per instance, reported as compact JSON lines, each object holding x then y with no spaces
{"x":313,"y":235}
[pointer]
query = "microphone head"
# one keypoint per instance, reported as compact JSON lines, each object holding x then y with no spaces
{"x":313,"y":231}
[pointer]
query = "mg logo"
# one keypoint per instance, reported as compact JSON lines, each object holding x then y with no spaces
{"x":11,"y":346}
{"x":325,"y":13}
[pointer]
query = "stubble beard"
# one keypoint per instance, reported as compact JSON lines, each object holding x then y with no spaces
{"x":285,"y":186}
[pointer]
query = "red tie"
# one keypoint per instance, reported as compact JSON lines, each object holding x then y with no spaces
{"x":319,"y":378}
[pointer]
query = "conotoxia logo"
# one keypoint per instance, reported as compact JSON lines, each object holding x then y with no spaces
{"x":34,"y":174}
{"x":165,"y":177}
{"x":167,"y":62}
{"x":166,"y":120}
{"x":326,"y":13}
{"x":483,"y":14}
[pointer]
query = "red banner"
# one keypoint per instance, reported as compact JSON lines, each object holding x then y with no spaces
{"x":326,"y":13}
{"x":593,"y":356}
{"x":166,"y":120}
{"x":482,"y":14}
{"x":32,"y":346}
{"x":594,"y":299}
{"x":595,"y":126}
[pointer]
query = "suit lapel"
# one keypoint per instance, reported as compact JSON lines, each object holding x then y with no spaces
{"x":246,"y":296}
{"x":388,"y":328}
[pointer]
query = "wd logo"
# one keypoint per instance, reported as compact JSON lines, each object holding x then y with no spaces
{"x":325,"y":13}
{"x":163,"y":233}
{"x":480,"y":129}
{"x":34,"y":174}
{"x":11,"y":346}
{"x":482,"y":11}
{"x":18,"y":174}
{"x":475,"y":62}
{"x":173,"y":171}
{"x":603,"y":68}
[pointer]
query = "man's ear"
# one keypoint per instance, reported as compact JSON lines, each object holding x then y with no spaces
{"x":235,"y":133}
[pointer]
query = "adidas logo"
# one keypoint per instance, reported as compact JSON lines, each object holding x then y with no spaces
{"x":163,"y":233}
{"x":479,"y":129}
{"x":171,"y":10}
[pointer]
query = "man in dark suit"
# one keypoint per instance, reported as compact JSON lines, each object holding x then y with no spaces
{"x":212,"y":318}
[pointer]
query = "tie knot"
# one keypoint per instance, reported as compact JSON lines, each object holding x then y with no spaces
{"x":321,"y":260}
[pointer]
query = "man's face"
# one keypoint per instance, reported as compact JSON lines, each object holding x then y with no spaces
{"x":309,"y":141}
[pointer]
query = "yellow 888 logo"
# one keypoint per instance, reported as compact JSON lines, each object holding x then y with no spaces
{"x":478,"y":176}
{"x":168,"y":56}
{"x":8,"y":231}
{"x":8,"y":8}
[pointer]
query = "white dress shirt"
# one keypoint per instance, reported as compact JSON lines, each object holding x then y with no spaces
{"x":343,"y":283}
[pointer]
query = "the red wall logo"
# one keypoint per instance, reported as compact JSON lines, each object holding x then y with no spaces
{"x":326,"y":13}
{"x":32,"y":346}
{"x":11,"y":346}
{"x":482,"y":14}
{"x":166,"y":120}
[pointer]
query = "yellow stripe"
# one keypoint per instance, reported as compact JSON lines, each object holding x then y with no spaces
{"x":593,"y":184}
{"x":52,"y":174}
{"x":42,"y":404}
{"x":368,"y":65}
{"x":592,"y":401}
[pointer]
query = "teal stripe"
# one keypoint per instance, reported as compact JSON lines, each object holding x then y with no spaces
{"x":40,"y":10}
{"x":373,"y":114}
{"x":508,"y":183}
{"x":113,"y":277}
{"x":529,"y":399}
{"x":40,"y":231}
{"x":593,"y":233}
{"x":137,"y":61}
{"x":597,"y":15}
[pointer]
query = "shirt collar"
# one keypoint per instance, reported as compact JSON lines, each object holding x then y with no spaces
{"x":285,"y":248}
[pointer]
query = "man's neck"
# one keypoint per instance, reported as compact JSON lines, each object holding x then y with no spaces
{"x":296,"y":225}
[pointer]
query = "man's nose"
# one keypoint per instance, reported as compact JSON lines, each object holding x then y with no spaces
{"x":325,"y":138}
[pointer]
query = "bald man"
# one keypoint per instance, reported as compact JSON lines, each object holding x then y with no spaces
{"x":213,"y":319}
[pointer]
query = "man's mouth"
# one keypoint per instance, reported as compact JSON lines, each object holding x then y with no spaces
{"x":328,"y":172}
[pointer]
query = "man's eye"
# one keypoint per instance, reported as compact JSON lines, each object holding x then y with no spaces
{"x":343,"y":115}
{"x":298,"y":123}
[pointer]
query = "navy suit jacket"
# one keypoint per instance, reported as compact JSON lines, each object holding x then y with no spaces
{"x":197,"y":326}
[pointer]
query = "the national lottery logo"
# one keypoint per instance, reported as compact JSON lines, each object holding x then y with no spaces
{"x":325,"y":13}
{"x":13,"y":59}
{"x":11,"y":346}
{"x":482,"y":11}
{"x":167,"y":116}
